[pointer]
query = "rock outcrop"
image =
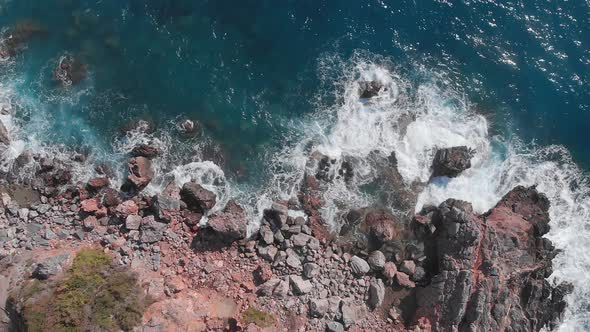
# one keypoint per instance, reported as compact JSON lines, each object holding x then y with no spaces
{"x":489,"y":271}
{"x":451,"y":161}
{"x":141,"y":172}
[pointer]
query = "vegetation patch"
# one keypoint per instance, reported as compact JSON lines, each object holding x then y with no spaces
{"x":93,"y":295}
{"x":260,"y":318}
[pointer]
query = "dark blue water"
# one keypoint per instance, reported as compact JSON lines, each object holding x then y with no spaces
{"x":245,"y":69}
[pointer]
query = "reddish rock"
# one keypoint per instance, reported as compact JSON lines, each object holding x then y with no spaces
{"x":111,"y":198}
{"x":149,"y":151}
{"x":89,"y":223}
{"x":403,"y":280}
{"x":127,"y":208}
{"x":90,"y":205}
{"x":491,"y":270}
{"x":98,"y":183}
{"x":389,"y":270}
{"x":101,"y":212}
{"x":380,"y":226}
{"x":141,"y":172}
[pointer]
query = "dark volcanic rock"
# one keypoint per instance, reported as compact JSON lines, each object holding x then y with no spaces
{"x":141,"y":173}
{"x":489,"y":271}
{"x":15,"y":39}
{"x":196,"y":197}
{"x":229,"y":225}
{"x":451,"y":161}
{"x":369,"y":89}
{"x":70,"y":70}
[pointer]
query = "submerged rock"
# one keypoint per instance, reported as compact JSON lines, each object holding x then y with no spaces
{"x":370,"y":89}
{"x":451,"y":161}
{"x":70,"y":70}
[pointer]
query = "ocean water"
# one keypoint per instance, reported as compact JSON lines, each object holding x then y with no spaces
{"x":271,"y":82}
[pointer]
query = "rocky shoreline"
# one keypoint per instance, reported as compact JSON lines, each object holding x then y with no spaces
{"x":443,"y":269}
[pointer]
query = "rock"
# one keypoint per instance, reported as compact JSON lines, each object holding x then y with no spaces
{"x":376,"y":293}
{"x":276,"y":216}
{"x":310,"y":270}
{"x":188,"y":127}
{"x":318,"y":307}
{"x":376,"y":260}
{"x":267,"y":252}
{"x":300,"y":240}
{"x":451,"y":161}
{"x":369,"y":89}
{"x":403,"y":280}
{"x":293,"y":260}
{"x":196,"y":197}
{"x":150,"y":230}
{"x":127,"y":208}
{"x":4,"y":134}
{"x":89,"y":223}
{"x":229,"y":225}
{"x":408,"y":267}
{"x":381,"y":227}
{"x":350,"y":313}
{"x":266,"y":234}
{"x":111,"y":198}
{"x":165,"y":206}
{"x":300,"y":286}
{"x":70,"y":70}
{"x":133,"y":222}
{"x":334,"y":326}
{"x":267,"y":288}
{"x":90,"y":205}
{"x":141,"y":172}
{"x":149,"y":151}
{"x":389,"y":270}
{"x":50,"y":267}
{"x":491,"y":269}
{"x":96,"y":184}
{"x":263,"y":273}
{"x":359,"y":266}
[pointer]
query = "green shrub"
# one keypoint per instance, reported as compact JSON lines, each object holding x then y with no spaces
{"x":260,"y":318}
{"x":93,"y":295}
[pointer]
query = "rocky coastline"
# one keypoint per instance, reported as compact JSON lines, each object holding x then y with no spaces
{"x":445,"y":268}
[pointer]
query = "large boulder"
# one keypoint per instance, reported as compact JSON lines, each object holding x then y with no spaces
{"x":141,"y":172}
{"x":230,"y":225}
{"x":196,"y":197}
{"x":490,"y":270}
{"x":451,"y":161}
{"x":381,"y":227}
{"x":149,"y":151}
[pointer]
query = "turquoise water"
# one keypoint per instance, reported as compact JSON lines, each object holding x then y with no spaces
{"x":271,"y":81}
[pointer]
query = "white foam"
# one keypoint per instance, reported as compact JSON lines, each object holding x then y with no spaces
{"x":353,"y":128}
